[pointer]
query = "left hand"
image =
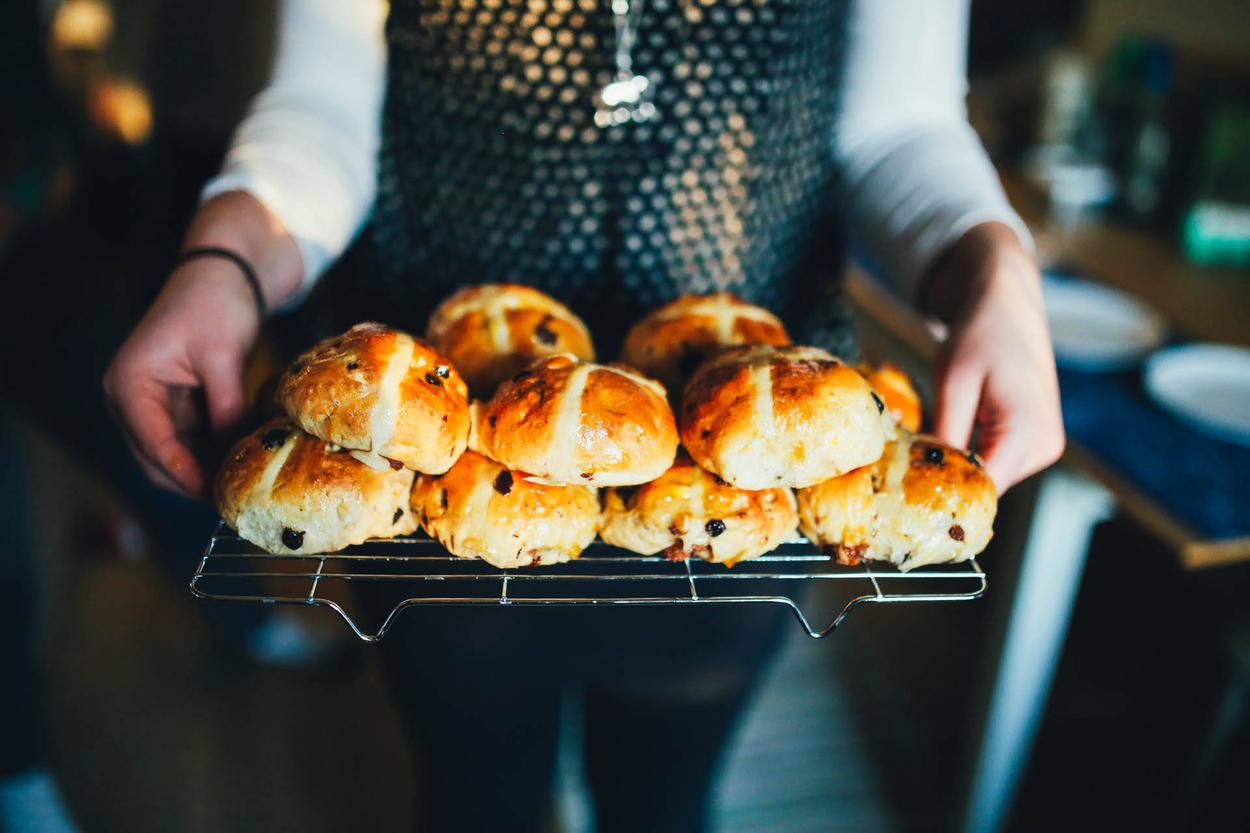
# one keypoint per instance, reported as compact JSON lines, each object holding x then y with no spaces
{"x":996,"y":369}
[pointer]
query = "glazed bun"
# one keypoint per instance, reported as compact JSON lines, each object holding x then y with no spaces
{"x":288,"y":492}
{"x":479,"y":509}
{"x":568,"y":422}
{"x":672,"y":341}
{"x":922,"y":503}
{"x":492,"y":331}
{"x":688,"y":512}
{"x":897,"y":393}
{"x":386,"y":396}
{"x":763,"y":417}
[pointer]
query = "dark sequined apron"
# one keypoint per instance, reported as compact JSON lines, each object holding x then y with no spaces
{"x":492,"y":168}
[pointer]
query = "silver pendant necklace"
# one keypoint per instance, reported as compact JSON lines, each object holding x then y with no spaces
{"x":627,"y":97}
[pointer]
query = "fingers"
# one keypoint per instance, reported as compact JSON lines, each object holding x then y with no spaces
{"x":1006,"y":452}
{"x":222,"y":377}
{"x":958,"y":396}
{"x":158,"y":477}
{"x":150,"y":433}
{"x":1016,"y":454}
{"x":1021,"y":429}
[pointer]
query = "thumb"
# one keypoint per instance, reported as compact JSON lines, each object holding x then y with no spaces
{"x":958,"y":397}
{"x":222,"y":377}
{"x":1006,"y":450}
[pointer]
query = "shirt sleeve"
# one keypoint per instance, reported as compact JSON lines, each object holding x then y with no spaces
{"x":914,"y":174}
{"x":307,"y":148}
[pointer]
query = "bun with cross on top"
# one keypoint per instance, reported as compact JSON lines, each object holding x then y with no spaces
{"x":563,"y":421}
{"x":762,"y":417}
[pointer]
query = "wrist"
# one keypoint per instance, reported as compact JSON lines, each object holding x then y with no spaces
{"x":983,"y":259}
{"x":241,"y":265}
{"x":238,"y":222}
{"x":210,"y":292}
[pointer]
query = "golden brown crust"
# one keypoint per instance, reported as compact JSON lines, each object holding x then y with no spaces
{"x":479,"y":509}
{"x":567,"y":422}
{"x":689,"y":512}
{"x":492,"y":331}
{"x":923,"y":503}
{"x":897,"y":393}
{"x":943,"y":478}
{"x":763,"y":416}
{"x":383,"y":394}
{"x":288,"y":492}
{"x":839,"y":514}
{"x":672,"y":341}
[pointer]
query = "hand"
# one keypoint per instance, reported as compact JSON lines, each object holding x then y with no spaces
{"x":195,"y":339}
{"x":996,"y":369}
{"x":196,"y":336}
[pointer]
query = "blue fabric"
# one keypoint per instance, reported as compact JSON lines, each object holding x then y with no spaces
{"x":1203,"y":481}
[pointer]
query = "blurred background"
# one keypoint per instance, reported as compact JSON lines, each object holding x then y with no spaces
{"x":1102,"y":685}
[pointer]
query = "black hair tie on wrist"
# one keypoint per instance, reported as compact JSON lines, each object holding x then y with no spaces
{"x":238,"y":260}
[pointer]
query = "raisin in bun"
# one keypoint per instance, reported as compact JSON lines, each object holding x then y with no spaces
{"x":897,"y":393}
{"x":388,"y":397}
{"x":688,"y":512}
{"x":922,"y":503}
{"x":762,"y":417}
{"x":288,"y":492}
{"x":479,"y":509}
{"x":492,"y":331}
{"x":672,"y":341}
{"x":566,"y":422}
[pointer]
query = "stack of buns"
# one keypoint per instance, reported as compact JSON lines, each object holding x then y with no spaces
{"x":555,"y":449}
{"x":365,"y":411}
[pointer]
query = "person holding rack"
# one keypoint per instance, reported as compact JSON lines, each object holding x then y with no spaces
{"x":615,"y":154}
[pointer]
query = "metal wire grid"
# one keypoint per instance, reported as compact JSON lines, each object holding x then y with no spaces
{"x":426,"y":574}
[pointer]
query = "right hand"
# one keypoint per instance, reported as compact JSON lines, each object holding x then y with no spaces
{"x":196,"y":336}
{"x":195,"y":339}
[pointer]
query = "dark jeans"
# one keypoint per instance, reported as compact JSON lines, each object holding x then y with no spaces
{"x":662,"y":689}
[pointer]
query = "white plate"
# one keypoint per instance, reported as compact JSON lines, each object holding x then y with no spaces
{"x":1095,"y":327}
{"x":1206,"y":384}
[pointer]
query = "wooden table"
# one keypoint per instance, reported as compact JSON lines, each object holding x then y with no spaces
{"x":1033,"y":595}
{"x":1203,"y":304}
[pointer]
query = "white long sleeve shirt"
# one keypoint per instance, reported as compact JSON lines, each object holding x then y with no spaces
{"x":915,"y":176}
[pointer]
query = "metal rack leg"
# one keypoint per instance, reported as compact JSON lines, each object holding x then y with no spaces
{"x":1067,"y":509}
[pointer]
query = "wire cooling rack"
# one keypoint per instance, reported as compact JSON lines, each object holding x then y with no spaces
{"x":415,"y":570}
